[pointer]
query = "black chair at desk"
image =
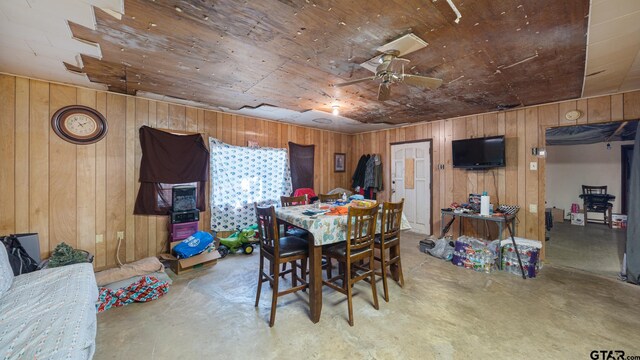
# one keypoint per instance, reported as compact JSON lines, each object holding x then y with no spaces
{"x":596,"y":199}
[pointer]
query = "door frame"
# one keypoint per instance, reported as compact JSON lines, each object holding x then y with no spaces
{"x":430,"y":141}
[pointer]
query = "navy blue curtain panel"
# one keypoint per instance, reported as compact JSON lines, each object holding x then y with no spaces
{"x":633,"y":216}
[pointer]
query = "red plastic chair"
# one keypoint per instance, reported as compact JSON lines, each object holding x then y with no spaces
{"x":311,"y":195}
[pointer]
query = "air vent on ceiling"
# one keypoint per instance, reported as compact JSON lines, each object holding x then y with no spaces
{"x":506,"y":106}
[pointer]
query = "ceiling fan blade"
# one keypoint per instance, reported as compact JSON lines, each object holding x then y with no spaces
{"x":346,"y":83}
{"x":384,"y":92}
{"x":422,"y":81}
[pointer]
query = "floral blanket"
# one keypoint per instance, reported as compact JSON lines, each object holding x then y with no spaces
{"x":146,"y":289}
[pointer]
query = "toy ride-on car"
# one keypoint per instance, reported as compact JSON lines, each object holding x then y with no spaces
{"x":239,"y":240}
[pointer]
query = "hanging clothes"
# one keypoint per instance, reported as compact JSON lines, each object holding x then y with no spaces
{"x":369,"y":180}
{"x":377,"y":173}
{"x":358,"y":174}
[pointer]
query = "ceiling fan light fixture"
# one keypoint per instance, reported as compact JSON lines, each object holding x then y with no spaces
{"x":336,"y":110}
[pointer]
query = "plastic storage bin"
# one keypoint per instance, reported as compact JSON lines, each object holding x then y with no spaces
{"x":183,"y":230}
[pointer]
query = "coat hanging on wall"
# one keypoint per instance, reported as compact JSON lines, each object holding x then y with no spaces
{"x":367,"y":178}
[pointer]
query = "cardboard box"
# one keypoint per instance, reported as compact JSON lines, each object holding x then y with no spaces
{"x":577,"y":219}
{"x":618,"y":221}
{"x":182,"y":265}
{"x":557,"y":215}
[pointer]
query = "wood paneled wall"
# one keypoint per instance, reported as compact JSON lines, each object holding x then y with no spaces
{"x":84,"y":194}
{"x":514,"y":184}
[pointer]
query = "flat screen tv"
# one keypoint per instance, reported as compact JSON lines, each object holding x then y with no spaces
{"x":479,"y":153}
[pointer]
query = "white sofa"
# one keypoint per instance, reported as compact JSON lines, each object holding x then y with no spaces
{"x":47,"y":314}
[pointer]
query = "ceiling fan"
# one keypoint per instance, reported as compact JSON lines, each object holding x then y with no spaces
{"x":389,"y":67}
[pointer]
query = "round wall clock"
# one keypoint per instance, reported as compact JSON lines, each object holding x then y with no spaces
{"x":79,"y":124}
{"x":573,"y":115}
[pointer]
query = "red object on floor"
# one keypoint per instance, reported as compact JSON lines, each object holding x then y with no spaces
{"x":147,"y":289}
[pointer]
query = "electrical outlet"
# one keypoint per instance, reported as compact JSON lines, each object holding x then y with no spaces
{"x":533,"y":208}
{"x":120,"y":235}
{"x":533,"y":165}
{"x":99,"y":238}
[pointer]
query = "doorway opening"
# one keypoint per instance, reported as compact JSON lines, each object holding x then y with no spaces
{"x":411,"y":180}
{"x":591,"y":155}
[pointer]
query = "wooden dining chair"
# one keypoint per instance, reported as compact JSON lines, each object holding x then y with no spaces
{"x":293,"y":200}
{"x":596,"y":199}
{"x":361,"y":227}
{"x":389,"y":239}
{"x":329,"y":197}
{"x":279,"y":250}
{"x":292,"y":230}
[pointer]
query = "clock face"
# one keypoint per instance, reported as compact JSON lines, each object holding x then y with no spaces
{"x":79,"y":124}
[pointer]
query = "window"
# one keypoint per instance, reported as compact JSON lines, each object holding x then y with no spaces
{"x":242,"y":176}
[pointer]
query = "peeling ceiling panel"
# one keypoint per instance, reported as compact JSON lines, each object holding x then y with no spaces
{"x":313,"y":118}
{"x":35,"y":38}
{"x":279,"y":59}
{"x":288,"y":54}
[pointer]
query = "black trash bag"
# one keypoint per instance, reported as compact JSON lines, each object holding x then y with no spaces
{"x":21,"y":262}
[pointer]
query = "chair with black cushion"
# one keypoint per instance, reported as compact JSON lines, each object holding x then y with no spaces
{"x":294,"y":201}
{"x":329,"y":197}
{"x":292,"y":230}
{"x":389,"y":240}
{"x":279,"y":250}
{"x":361,"y":227}
{"x":596,"y":199}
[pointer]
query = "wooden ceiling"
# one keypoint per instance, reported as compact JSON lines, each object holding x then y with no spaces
{"x":287,"y":53}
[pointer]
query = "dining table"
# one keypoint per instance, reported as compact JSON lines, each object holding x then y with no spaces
{"x":324,"y":229}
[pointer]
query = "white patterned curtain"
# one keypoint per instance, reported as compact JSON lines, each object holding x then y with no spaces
{"x":241,"y":176}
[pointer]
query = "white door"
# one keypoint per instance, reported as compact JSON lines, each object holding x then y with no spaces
{"x":411,"y":180}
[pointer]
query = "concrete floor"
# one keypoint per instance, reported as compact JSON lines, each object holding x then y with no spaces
{"x":593,"y":248}
{"x":443,"y":312}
